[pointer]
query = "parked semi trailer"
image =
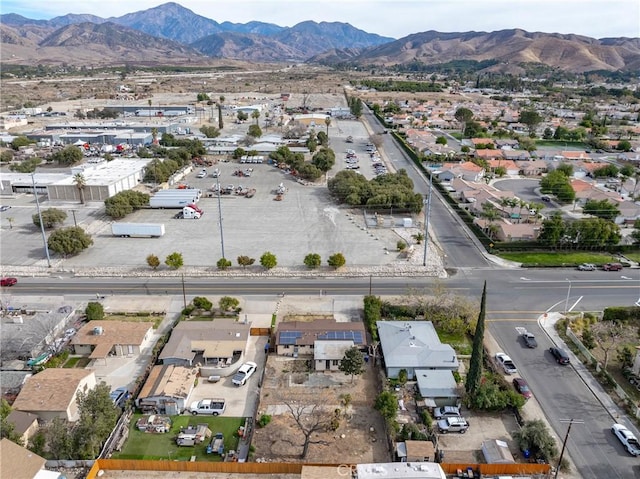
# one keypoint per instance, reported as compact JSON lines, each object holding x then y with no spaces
{"x":137,"y":230}
{"x":177,"y":198}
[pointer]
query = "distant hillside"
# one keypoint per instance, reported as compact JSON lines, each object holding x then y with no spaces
{"x":567,"y":52}
{"x":175,"y":33}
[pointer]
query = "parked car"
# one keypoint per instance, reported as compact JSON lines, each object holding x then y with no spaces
{"x":626,"y":437}
{"x":560,"y":355}
{"x":8,"y":281}
{"x":529,"y":340}
{"x":587,"y":267}
{"x":4,"y":207}
{"x":453,"y":424}
{"x":244,"y":373}
{"x":506,"y":363}
{"x":522,"y":387}
{"x":612,"y":267}
{"x":202,"y":174}
{"x":119,"y":396}
{"x":446,"y":411}
{"x":545,"y":198}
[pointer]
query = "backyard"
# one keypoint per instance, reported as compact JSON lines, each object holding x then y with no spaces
{"x":142,"y":445}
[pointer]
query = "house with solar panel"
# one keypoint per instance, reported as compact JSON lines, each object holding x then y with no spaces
{"x":325,"y":340}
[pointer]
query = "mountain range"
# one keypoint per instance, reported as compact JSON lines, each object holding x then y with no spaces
{"x":170,"y":34}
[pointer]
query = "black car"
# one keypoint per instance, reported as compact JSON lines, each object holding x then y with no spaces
{"x":560,"y":355}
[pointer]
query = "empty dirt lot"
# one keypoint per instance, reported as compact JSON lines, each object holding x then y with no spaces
{"x":358,"y":439}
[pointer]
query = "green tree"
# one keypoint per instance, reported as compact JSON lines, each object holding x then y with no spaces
{"x":174,"y":260}
{"x":353,"y":362}
{"x":534,"y":436}
{"x":228,"y":303}
{"x":51,"y":217}
{"x":254,"y":131}
{"x":242,"y":116}
{"x":69,"y":241}
{"x":202,"y":97}
{"x":608,"y":171}
{"x":553,"y":229}
{"x":26,"y":166}
{"x":21,"y":141}
{"x":566,"y":169}
{"x":324,"y":159}
{"x":68,"y":156}
{"x":312,"y":260}
{"x":441,"y":140}
{"x":245,"y":261}
{"x":153,"y":261}
{"x":268,"y":260}
{"x":200,"y":302}
{"x":7,"y":429}
{"x":588,"y":341}
{"x":255,"y":114}
{"x":386,"y":404}
{"x":94,"y":311}
{"x":59,"y":440}
{"x":418,"y":237}
{"x":601,"y":209}
{"x":336,"y":260}
{"x":210,"y":131}
{"x":477,"y":353}
{"x":327,"y":122}
{"x":323,"y":139}
{"x":223,"y":264}
{"x":464,"y":116}
{"x":624,"y":145}
{"x":625,"y":356}
{"x":6,"y":156}
{"x":219,"y":105}
{"x":98,"y":417}
{"x":532,"y":119}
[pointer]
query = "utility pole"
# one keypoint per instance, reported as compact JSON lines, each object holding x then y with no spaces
{"x":564,"y":443}
{"x":427,"y":215}
{"x":75,"y":223}
{"x":44,"y":236}
{"x":219,"y":193}
{"x":184,"y":293}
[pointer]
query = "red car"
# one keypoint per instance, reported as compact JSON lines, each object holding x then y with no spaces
{"x":8,"y":281}
{"x":522,"y":387}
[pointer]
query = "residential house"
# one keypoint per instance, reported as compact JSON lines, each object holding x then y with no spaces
{"x":516,"y":155}
{"x":532,"y":167}
{"x":506,"y":144}
{"x":482,"y":142}
{"x":416,"y":451}
{"x":328,"y":354}
{"x":24,"y":423}
{"x":629,"y":213}
{"x":102,"y":339}
{"x":217,"y":343}
{"x":589,"y":191}
{"x":413,"y":345}
{"x":20,"y":463}
{"x":167,"y":390}
{"x":487,"y":154}
{"x":53,"y":393}
{"x":509,"y":166}
{"x":298,"y":338}
{"x":438,"y":387}
{"x":466,"y":170}
{"x":506,"y":231}
{"x":575,"y":155}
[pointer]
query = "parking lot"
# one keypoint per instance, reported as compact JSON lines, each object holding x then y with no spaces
{"x":305,"y":221}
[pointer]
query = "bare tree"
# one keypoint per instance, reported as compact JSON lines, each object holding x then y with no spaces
{"x":607,"y":335}
{"x":311,"y":418}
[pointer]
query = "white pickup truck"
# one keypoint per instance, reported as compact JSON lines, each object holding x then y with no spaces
{"x":208,"y":406}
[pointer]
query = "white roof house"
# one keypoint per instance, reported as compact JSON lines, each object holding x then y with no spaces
{"x":413,"y":345}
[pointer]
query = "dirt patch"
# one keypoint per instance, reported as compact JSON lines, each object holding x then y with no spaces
{"x":359,"y":436}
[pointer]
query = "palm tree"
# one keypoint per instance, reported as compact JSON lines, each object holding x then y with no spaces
{"x":154,"y":135}
{"x":80,"y":181}
{"x":327,"y":121}
{"x":419,"y":237}
{"x":491,"y":214}
{"x":220,"y":122}
{"x":255,"y":115}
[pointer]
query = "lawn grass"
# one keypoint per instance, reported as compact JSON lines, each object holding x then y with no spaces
{"x":142,"y":445}
{"x":564,"y":144}
{"x":635,"y":256}
{"x":569,"y":258}
{"x":461,"y":343}
{"x":156,"y":320}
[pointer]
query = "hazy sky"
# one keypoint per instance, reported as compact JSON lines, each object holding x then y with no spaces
{"x":393,"y":18}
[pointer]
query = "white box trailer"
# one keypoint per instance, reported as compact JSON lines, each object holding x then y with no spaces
{"x":174,"y":198}
{"x":137,"y":230}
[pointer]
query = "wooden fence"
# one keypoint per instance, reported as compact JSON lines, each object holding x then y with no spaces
{"x":260,"y":331}
{"x":286,"y":468}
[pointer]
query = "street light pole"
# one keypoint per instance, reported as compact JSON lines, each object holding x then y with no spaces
{"x":75,"y":223}
{"x":44,"y":236}
{"x":566,"y":303}
{"x":427,"y":215}
{"x":220,"y":214}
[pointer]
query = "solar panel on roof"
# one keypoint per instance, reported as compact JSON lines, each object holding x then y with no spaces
{"x":355,"y":336}
{"x":289,"y":337}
